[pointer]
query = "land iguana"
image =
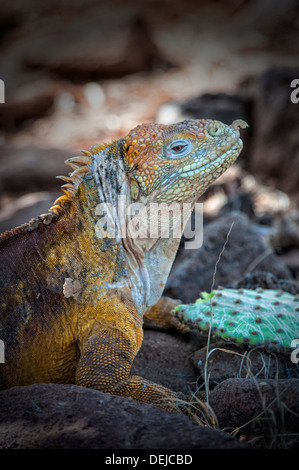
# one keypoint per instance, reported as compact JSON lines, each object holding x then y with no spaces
{"x":73,"y":302}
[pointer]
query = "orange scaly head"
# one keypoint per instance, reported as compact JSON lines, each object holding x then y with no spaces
{"x":178,"y":162}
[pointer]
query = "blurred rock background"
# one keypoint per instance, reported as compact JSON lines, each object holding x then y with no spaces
{"x":79,"y":73}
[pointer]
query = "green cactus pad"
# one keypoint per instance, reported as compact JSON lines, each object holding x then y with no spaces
{"x":268,"y":318}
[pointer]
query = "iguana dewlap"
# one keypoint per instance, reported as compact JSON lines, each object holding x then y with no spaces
{"x":73,"y":297}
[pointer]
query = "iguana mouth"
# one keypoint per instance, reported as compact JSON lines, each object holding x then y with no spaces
{"x":203,"y":165}
{"x":233,"y":152}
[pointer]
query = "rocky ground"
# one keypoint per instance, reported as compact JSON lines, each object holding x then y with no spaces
{"x":76,"y":75}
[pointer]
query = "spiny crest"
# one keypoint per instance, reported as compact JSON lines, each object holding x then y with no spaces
{"x":80,"y":165}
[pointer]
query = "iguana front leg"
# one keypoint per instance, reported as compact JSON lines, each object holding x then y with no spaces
{"x":105,"y":365}
{"x":161,"y":317}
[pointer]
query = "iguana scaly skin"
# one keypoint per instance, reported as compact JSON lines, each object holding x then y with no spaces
{"x":72,"y":302}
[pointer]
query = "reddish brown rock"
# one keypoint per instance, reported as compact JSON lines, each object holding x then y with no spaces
{"x":30,"y":168}
{"x":118,"y":46}
{"x":16,"y":112}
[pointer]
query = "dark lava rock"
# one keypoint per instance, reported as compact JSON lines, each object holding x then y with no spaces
{"x":276,"y":121}
{"x":221,"y":106}
{"x":16,"y":112}
{"x":193,"y":270}
{"x":265,"y":280}
{"x":110,"y":48}
{"x":229,"y":361}
{"x":224,"y":107}
{"x":31,"y":168}
{"x":48,"y":416}
{"x":266,"y":411}
{"x":165,"y":358}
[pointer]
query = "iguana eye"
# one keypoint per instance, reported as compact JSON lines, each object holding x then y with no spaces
{"x":179,"y":148}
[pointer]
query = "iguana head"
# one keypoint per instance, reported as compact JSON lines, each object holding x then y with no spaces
{"x":176,"y":163}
